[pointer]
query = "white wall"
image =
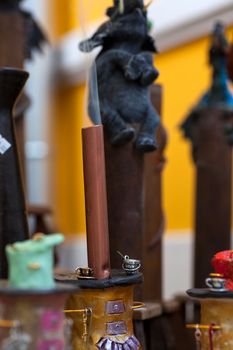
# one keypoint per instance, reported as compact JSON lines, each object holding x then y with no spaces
{"x":37,"y":148}
{"x":168,"y":14}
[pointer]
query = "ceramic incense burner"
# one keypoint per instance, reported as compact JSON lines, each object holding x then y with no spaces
{"x":216,"y":326}
{"x":215,"y":331}
{"x":33,"y":319}
{"x":31,"y":304}
{"x":102,"y":312}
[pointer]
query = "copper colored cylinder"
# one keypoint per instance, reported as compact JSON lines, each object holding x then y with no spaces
{"x":96,"y":201}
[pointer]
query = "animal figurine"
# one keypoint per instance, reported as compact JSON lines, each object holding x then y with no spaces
{"x":125,"y":72}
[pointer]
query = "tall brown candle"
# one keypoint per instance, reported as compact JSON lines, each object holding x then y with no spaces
{"x":96,"y":201}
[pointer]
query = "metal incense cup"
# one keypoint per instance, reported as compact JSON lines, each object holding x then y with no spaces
{"x":131,"y":266}
{"x":84,"y":272}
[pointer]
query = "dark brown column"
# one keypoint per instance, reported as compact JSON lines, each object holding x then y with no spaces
{"x":134,"y":207}
{"x":213,"y":157}
{"x":12,"y":54}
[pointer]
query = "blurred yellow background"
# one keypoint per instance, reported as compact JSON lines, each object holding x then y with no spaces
{"x":184,"y":74}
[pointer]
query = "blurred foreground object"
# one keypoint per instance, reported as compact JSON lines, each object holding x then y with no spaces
{"x":209,"y":127}
{"x":13,"y":216}
{"x":31,"y":262}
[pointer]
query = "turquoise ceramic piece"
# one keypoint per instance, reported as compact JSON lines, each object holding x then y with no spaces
{"x":31,"y":262}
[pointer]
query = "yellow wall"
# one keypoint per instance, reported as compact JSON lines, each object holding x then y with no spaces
{"x":184,"y":75}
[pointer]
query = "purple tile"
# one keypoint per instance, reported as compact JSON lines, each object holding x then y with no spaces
{"x":115,"y":307}
{"x":116,"y":328}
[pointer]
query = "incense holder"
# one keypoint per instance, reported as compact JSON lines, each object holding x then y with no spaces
{"x":34,"y":319}
{"x":216,"y":324}
{"x":102,"y":311}
{"x":215,"y":331}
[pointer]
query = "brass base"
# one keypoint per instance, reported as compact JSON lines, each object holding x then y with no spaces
{"x":217,"y":312}
{"x":102,"y":315}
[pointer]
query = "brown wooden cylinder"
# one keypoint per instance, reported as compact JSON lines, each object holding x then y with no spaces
{"x":96,"y":201}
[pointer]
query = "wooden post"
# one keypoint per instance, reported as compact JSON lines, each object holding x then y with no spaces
{"x":135,"y":210}
{"x":12,"y":54}
{"x":213,"y":157}
{"x":12,"y":39}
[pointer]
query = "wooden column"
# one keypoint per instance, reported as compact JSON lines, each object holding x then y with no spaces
{"x":135,"y":209}
{"x":12,"y":39}
{"x":213,"y":157}
{"x":12,"y":54}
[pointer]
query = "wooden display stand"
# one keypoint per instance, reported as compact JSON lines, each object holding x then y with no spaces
{"x":134,"y":209}
{"x":136,"y":225}
{"x":12,"y":54}
{"x":213,"y":160}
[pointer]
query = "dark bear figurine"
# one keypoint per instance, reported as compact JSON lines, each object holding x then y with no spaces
{"x":125,"y":72}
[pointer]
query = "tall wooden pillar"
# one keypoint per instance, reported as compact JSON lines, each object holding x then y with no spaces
{"x":213,"y":158}
{"x":135,"y":209}
{"x":12,"y":54}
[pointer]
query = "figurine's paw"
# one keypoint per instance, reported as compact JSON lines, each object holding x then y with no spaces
{"x":122,"y":137}
{"x":146,"y":143}
{"x":149,"y":76}
{"x":135,"y":67}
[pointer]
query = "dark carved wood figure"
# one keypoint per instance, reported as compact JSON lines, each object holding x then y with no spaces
{"x":125,"y":72}
{"x":209,"y":127}
{"x":219,"y":95}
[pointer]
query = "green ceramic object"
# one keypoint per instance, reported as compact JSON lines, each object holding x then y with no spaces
{"x":31,"y":262}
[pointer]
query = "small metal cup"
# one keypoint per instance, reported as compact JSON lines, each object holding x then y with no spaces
{"x":131,"y":266}
{"x":84,"y":272}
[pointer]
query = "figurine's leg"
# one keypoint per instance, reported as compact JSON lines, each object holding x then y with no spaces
{"x":146,"y":139}
{"x":118,"y":131}
{"x":150,"y":73}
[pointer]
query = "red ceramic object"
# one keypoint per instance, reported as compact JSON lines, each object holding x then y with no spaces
{"x":223,"y":264}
